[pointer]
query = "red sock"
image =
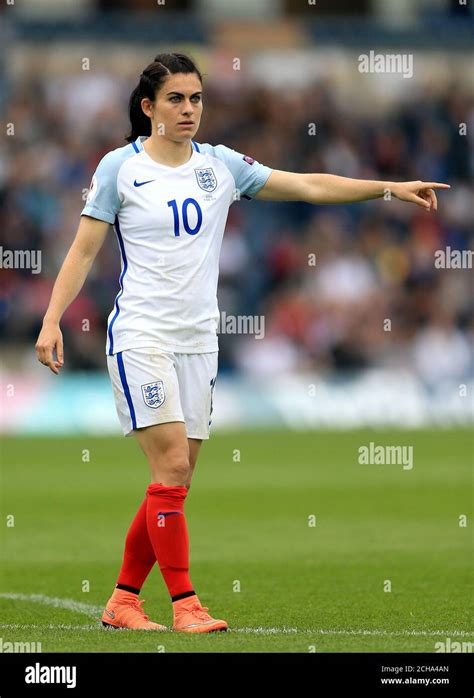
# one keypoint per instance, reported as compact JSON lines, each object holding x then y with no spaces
{"x":168,"y":534}
{"x":139,"y":556}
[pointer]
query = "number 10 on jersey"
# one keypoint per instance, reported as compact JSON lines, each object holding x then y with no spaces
{"x":184,"y":215}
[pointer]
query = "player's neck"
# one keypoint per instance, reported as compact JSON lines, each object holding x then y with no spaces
{"x":166,"y":152}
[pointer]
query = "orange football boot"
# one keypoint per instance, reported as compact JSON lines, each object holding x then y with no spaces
{"x":191,"y":617}
{"x":124,"y":610}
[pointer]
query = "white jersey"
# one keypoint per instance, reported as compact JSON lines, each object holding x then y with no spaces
{"x":169,"y":223}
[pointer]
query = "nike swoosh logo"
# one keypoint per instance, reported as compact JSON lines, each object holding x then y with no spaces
{"x":167,"y":513}
{"x":140,"y":184}
{"x":111,"y":614}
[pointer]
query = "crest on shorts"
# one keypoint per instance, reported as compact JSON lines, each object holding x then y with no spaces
{"x":206,"y":178}
{"x":153,"y":394}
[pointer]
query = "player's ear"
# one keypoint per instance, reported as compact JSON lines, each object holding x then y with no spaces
{"x":147,"y":106}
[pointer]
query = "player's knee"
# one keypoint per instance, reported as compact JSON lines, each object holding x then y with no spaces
{"x":177,"y":466}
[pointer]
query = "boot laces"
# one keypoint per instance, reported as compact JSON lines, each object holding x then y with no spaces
{"x":137,"y":606}
{"x":200,"y":611}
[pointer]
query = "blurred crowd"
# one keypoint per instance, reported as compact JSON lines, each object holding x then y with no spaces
{"x":340,"y":288}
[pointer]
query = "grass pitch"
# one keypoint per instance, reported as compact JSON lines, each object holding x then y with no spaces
{"x":293,"y":542}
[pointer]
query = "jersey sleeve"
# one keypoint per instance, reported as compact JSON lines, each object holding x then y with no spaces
{"x":249,"y":174}
{"x":103,"y":200}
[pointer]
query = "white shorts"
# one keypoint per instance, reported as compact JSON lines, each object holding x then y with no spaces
{"x":154,"y":386}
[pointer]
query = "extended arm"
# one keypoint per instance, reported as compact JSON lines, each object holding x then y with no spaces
{"x":332,"y":189}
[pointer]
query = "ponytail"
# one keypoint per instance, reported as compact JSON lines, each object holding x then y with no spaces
{"x":141,"y":124}
{"x":151,"y":81}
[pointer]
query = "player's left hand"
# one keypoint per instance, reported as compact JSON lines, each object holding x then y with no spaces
{"x":421,"y":193}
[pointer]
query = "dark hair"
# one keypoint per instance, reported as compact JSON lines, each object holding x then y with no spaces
{"x":151,"y":80}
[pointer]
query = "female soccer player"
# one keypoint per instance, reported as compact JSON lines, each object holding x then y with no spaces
{"x":168,"y":198}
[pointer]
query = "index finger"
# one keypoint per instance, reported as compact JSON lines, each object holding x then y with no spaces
{"x":53,"y":365}
{"x":435,"y":185}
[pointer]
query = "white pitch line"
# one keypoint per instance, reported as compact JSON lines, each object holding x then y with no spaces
{"x":68,"y":604}
{"x":376,"y":633}
{"x":263,"y":631}
{"x":49,"y":626}
{"x":94,"y":611}
{"x":400,"y":633}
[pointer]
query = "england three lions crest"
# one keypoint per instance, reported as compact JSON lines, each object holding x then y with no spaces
{"x":153,"y":394}
{"x":206,"y":178}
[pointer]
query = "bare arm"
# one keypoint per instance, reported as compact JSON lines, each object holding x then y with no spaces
{"x":89,"y":239}
{"x":332,"y":189}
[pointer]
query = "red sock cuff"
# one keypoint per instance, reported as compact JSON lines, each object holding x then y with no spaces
{"x":176,"y":493}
